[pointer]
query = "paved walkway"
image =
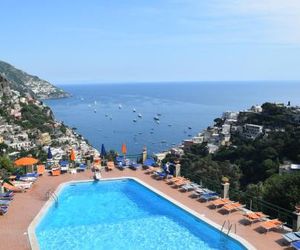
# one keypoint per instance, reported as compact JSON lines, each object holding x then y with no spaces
{"x":25,"y":206}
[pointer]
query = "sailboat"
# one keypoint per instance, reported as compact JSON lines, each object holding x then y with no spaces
{"x":120,"y":106}
{"x":134,"y":110}
{"x":140,"y":115}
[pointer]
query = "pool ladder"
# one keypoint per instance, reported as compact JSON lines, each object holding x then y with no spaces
{"x":51,"y":194}
{"x":229,"y":226}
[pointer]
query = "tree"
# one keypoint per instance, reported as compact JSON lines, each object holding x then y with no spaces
{"x":283,"y":190}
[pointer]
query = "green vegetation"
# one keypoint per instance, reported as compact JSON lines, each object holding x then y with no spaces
{"x":34,"y":117}
{"x":252,"y":166}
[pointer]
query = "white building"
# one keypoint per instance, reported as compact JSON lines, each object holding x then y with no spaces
{"x":252,"y":131}
{"x":230,"y":115}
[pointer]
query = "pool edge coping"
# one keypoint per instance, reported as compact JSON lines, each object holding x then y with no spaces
{"x":31,"y":228}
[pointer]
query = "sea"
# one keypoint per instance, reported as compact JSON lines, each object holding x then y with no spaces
{"x":159,"y":116}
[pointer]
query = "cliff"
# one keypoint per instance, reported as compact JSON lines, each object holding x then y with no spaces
{"x":26,"y":83}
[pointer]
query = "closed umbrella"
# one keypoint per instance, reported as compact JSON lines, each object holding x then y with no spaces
{"x":124,"y":149}
{"x":72,"y":155}
{"x":103,"y":152}
{"x":49,"y":155}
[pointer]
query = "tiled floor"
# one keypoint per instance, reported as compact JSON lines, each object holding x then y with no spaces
{"x":25,"y":206}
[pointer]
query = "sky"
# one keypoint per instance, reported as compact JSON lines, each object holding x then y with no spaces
{"x":77,"y":41}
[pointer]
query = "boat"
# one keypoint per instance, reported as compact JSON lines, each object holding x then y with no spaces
{"x":170,"y":125}
{"x":156,"y":118}
{"x":189,"y":127}
{"x":163,"y":141}
{"x":120,"y":106}
{"x":140,"y":115}
{"x":134,"y":120}
{"x":158,"y":114}
{"x":95,"y":110}
{"x":134,"y":110}
{"x":157,"y":121}
{"x":106,"y":115}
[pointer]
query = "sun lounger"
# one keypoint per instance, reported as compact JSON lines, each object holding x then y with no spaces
{"x":296,"y":245}
{"x":12,"y":188}
{"x":180,"y":183}
{"x":271,"y":224}
{"x":208,"y":196}
{"x":4,"y":202}
{"x":7,"y":194}
{"x":189,"y":187}
{"x":151,"y":170}
{"x":27,"y":178}
{"x":292,"y":236}
{"x":198,"y":192}
{"x":110,"y":165}
{"x":232,"y":207}
{"x":3,"y":210}
{"x":254,"y":216}
{"x":135,"y":166}
{"x":220,"y":202}
{"x":150,"y":162}
{"x":174,"y":179}
{"x":22,"y":184}
{"x":31,"y":175}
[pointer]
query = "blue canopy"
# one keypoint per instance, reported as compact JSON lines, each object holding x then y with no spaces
{"x":49,"y":155}
{"x":63,"y":163}
{"x":103,"y":152}
{"x":149,"y":162}
{"x":120,"y":158}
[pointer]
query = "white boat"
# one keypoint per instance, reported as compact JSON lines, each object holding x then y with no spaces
{"x":156,"y":118}
{"x":157,"y":121}
{"x":95,"y":110}
{"x":134,"y":110}
{"x":134,"y":120}
{"x":120,"y":106}
{"x":140,"y":115}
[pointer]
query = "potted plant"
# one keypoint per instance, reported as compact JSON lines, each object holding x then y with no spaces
{"x":225,"y":179}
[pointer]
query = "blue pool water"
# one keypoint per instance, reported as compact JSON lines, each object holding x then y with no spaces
{"x":123,"y":214}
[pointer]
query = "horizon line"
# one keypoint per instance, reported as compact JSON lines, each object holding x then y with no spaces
{"x":170,"y":81}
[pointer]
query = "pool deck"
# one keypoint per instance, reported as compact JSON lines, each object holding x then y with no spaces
{"x":25,"y":206}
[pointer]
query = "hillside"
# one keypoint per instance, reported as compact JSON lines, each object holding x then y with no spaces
{"x":26,"y":83}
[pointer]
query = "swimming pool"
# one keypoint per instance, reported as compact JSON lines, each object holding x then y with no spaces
{"x":123,"y":214}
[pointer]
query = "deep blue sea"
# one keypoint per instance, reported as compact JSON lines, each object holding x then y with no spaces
{"x":103,"y":113}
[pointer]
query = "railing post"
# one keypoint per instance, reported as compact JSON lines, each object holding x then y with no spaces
{"x":226,"y":190}
{"x":296,"y":221}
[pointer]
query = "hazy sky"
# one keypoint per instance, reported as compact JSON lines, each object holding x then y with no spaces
{"x":152,"y":40}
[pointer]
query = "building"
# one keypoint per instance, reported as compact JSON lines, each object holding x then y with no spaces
{"x":288,"y":167}
{"x":252,"y":131}
{"x":230,"y":115}
{"x":44,"y":139}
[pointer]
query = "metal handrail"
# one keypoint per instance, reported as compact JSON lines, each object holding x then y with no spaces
{"x":229,"y":229}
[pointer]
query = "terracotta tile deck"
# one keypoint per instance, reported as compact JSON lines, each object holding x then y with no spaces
{"x":25,"y":206}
